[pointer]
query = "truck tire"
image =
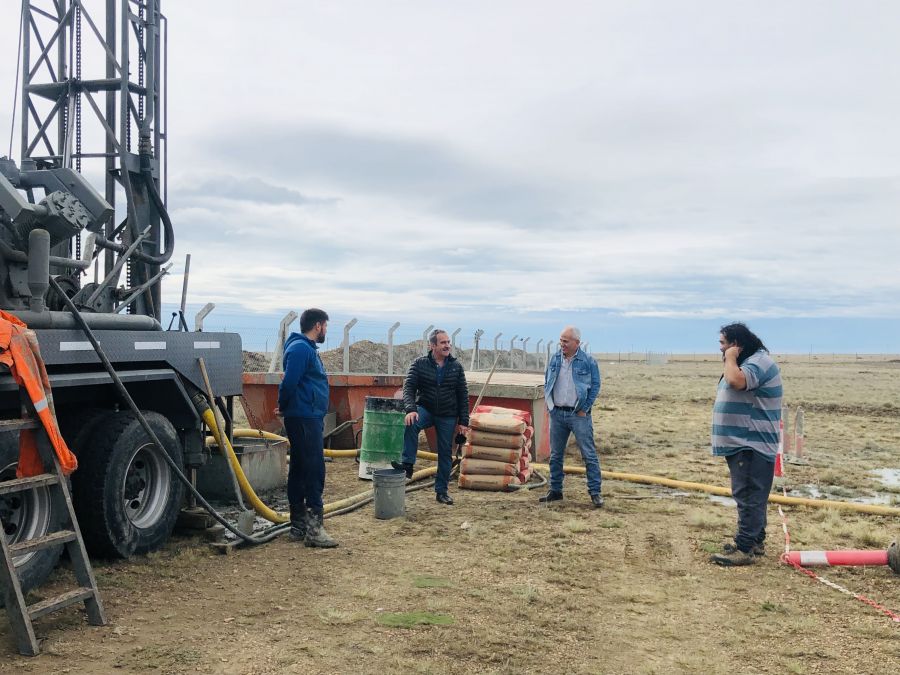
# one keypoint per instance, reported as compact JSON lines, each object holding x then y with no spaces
{"x":127,"y":497}
{"x":26,"y":515}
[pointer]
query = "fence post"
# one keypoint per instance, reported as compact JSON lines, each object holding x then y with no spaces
{"x":425,"y":339}
{"x":547,"y":360}
{"x":275,"y":363}
{"x":453,"y":339}
{"x":525,"y":353}
{"x":512,"y":345}
{"x":537,"y":354}
{"x":475,"y":353}
{"x":346,"y":345}
{"x":496,"y":347}
{"x":202,"y":314}
{"x":390,"y":354}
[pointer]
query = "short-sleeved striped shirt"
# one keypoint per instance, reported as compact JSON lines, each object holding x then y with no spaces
{"x":749,"y":418}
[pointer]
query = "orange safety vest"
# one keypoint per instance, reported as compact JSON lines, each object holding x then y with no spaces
{"x":20,"y":351}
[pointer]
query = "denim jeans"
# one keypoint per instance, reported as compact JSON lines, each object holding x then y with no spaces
{"x":306,"y":472}
{"x":562,"y":423}
{"x":444,"y":426}
{"x":751,"y":480}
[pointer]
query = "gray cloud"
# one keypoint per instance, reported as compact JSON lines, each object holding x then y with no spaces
{"x":438,"y":179}
{"x":247,"y":188}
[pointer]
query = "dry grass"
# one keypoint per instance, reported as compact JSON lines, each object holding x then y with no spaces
{"x":531,"y":588}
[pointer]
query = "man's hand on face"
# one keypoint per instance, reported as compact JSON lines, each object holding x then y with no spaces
{"x":411,"y":418}
{"x":732,"y":352}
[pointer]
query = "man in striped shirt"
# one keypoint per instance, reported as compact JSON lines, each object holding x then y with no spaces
{"x":745,"y":428}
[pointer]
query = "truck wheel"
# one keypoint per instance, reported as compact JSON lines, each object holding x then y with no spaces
{"x":26,"y":515}
{"x":127,"y":497}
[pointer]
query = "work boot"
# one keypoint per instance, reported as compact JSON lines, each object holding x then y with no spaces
{"x":298,"y":523}
{"x":316,"y":536}
{"x":597,"y":500}
{"x":405,"y":467}
{"x":444,"y":498}
{"x":551,"y":496}
{"x":737,"y":558}
{"x":758,"y":550}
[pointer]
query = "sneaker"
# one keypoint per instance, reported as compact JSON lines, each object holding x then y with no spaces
{"x":759,"y":550}
{"x":551,"y":496}
{"x":444,"y":498}
{"x":404,"y":467}
{"x":736,"y":558}
{"x":597,"y":500}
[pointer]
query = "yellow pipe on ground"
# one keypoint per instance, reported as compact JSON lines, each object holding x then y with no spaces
{"x":257,"y":504}
{"x":246,"y":488}
{"x":872,"y":509}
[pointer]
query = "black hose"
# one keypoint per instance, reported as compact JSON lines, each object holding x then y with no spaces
{"x":143,"y":420}
{"x":169,"y":231}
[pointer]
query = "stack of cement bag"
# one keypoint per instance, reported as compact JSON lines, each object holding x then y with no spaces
{"x":497,"y":455}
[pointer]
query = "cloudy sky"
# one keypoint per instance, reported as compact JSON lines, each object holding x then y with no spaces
{"x":648,"y":170}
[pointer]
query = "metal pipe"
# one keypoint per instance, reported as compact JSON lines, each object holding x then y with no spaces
{"x":64,"y":320}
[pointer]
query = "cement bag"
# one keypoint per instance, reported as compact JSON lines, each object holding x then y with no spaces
{"x":490,"y":483}
{"x":486,"y":452}
{"x":501,"y":424}
{"x":497,"y":410}
{"x":479,"y":437}
{"x":471,"y":466}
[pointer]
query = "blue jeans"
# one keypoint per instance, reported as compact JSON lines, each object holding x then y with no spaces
{"x":562,"y":423}
{"x":306,"y":472}
{"x":444,"y":426}
{"x":751,"y":480}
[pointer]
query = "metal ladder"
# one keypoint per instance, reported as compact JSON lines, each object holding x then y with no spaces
{"x":21,"y":615}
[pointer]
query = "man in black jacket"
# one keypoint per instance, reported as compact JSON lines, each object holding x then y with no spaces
{"x":435,"y":394}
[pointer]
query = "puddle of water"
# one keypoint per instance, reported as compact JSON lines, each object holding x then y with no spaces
{"x":814,"y":492}
{"x":889,"y":477}
{"x":723,"y":501}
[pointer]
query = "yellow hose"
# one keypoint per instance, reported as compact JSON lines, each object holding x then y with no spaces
{"x":261,"y":509}
{"x":873,"y":509}
{"x":246,"y":488}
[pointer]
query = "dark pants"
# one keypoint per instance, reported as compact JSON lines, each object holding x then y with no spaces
{"x":444,"y":426}
{"x":306,"y":473}
{"x":751,"y":481}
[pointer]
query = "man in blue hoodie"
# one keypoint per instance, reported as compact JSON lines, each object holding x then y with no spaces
{"x":303,"y":402}
{"x":571,"y":385}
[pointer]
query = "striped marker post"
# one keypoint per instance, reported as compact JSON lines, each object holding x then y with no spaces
{"x":890,"y":557}
{"x":779,"y":456}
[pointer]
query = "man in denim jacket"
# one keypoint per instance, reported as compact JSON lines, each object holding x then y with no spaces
{"x":571,"y":385}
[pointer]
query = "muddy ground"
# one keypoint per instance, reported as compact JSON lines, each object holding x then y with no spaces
{"x":498,"y":583}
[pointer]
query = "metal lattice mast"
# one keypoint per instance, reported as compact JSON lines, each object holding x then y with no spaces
{"x":62,"y":39}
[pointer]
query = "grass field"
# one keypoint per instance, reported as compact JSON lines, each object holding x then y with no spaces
{"x":498,"y":583}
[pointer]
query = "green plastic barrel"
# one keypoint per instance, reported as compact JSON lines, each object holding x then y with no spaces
{"x":382,"y":434}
